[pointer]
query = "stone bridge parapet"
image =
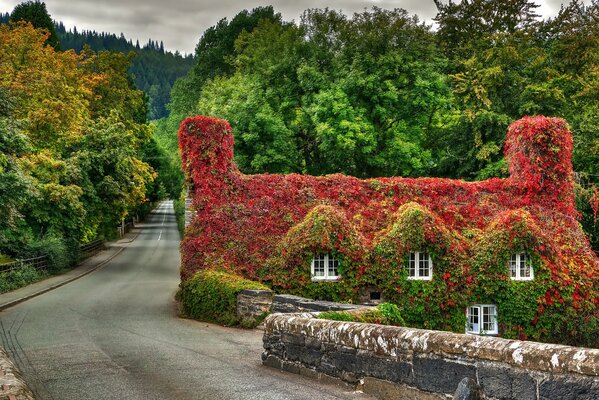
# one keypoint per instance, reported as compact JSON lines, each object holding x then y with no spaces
{"x":414,"y":363}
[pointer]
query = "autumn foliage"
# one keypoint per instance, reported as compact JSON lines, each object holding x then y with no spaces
{"x":268,"y":227}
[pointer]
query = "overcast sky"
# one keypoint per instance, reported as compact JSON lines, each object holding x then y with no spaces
{"x":180,"y":23}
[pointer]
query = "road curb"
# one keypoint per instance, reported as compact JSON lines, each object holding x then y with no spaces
{"x":57,"y":285}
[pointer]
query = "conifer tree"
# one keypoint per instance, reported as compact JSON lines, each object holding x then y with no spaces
{"x":36,"y":13}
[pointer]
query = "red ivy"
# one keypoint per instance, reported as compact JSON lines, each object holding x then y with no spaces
{"x":242,"y":219}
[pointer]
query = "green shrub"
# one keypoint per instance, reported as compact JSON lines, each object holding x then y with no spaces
{"x":21,"y":277}
{"x":179,"y":207}
{"x":383,"y":314}
{"x":54,"y":248}
{"x":338,"y":316}
{"x":211,"y":295}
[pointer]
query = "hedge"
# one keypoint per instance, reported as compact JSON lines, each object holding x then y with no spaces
{"x":211,"y":295}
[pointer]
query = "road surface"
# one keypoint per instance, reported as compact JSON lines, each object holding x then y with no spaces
{"x":115,"y":334}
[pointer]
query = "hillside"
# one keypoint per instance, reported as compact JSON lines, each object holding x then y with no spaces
{"x":154,"y":69}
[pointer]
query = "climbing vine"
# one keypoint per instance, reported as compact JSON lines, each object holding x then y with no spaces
{"x":268,"y":227}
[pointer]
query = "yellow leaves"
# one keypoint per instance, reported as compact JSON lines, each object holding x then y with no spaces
{"x":52,"y":89}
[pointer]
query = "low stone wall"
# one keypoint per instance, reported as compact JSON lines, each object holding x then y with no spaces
{"x":395,"y":362}
{"x":12,"y":386}
{"x":253,"y":303}
{"x":286,"y":303}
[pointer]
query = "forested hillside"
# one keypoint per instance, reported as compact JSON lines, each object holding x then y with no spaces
{"x":381,"y":93}
{"x":155,"y":70}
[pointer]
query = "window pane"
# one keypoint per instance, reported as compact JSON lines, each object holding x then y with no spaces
{"x":333,"y":265}
{"x":424,"y":266}
{"x":513,"y":265}
{"x":412,"y":266}
{"x":319,"y":264}
{"x":525,"y":266}
{"x":473,"y":319}
{"x":489,"y":319}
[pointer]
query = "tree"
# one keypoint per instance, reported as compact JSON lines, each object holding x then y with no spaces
{"x":15,"y":189}
{"x":71,"y":132}
{"x":35,"y":12}
{"x":332,"y":95}
{"x":499,"y":72}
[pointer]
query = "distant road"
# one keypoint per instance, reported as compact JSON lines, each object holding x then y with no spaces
{"x":114,"y":334}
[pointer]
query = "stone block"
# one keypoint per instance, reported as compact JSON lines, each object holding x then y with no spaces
{"x":310,"y":356}
{"x":569,"y":388}
{"x":327,"y":366}
{"x":344,"y":361}
{"x":441,"y":376}
{"x":388,"y":369}
{"x":468,"y":389}
{"x":384,"y":390}
{"x":292,"y":352}
{"x":290,"y":367}
{"x":350,"y":377}
{"x":293,"y":339}
{"x":501,"y":382}
{"x":313,"y":343}
{"x":272,"y":361}
{"x":309,"y":373}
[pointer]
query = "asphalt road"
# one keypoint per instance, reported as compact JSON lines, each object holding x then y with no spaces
{"x":115,"y":334}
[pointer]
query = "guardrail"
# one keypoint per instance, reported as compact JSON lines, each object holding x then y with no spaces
{"x":41,"y":263}
{"x":90,"y":249}
{"x":35,"y":262}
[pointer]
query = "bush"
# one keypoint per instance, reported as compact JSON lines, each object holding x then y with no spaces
{"x":383,"y":314}
{"x":212,"y":296}
{"x":54,"y":248}
{"x":21,"y":277}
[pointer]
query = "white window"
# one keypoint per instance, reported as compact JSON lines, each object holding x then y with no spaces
{"x":420,"y":266}
{"x":521,"y":267}
{"x":325,"y":267}
{"x":482,"y":319}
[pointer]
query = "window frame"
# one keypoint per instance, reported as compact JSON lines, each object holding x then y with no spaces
{"x":528,"y":264}
{"x":417,"y":260}
{"x":327,"y":258}
{"x":481,"y":319}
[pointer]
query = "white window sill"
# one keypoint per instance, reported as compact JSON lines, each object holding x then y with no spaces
{"x":482,"y":334}
{"x":325,"y":279}
{"x":420,"y":278}
{"x":522,"y":279}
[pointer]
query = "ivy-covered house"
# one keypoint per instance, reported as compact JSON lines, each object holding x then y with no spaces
{"x":501,"y":256}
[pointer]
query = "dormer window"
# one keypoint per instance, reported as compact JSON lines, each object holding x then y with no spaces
{"x":325,"y":267}
{"x":420,"y":266}
{"x":520,"y":267}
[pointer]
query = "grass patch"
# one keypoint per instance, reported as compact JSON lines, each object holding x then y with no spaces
{"x":383,"y":314}
{"x":212,"y":296}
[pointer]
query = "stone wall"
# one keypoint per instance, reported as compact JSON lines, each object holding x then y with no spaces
{"x":253,"y":303}
{"x":12,"y":385}
{"x":394,"y":362}
{"x":286,"y":303}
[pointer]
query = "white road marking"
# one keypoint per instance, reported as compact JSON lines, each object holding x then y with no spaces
{"x":160,"y":235}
